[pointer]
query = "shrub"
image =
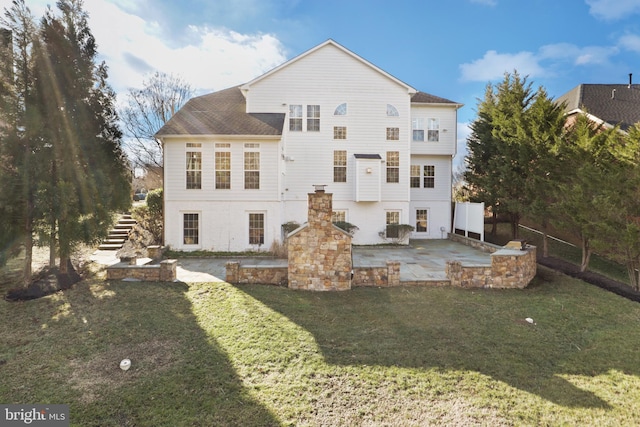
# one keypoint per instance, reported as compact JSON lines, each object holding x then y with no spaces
{"x":148,"y":221}
{"x":397,"y":233}
{"x":346,"y":226}
{"x":155,"y":202}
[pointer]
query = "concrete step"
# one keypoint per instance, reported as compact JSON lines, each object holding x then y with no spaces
{"x":119,"y":226}
{"x":110,"y":247}
{"x":111,"y":241}
{"x":128,"y":221}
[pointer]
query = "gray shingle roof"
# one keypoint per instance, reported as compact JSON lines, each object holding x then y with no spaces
{"x":425,"y":98}
{"x":221,"y":113}
{"x":616,"y":104}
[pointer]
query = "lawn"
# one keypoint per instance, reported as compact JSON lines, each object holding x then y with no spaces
{"x":216,"y":354}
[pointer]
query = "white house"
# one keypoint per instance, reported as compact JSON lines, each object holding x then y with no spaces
{"x":240,"y":162}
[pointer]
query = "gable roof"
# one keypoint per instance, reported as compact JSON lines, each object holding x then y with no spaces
{"x":614,"y":104}
{"x":329,"y":42}
{"x":221,"y":113}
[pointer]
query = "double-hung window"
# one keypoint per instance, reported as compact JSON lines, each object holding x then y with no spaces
{"x":415,"y":176}
{"x":340,"y":166}
{"x":393,"y":218}
{"x":191,"y":229}
{"x":393,"y":166}
{"x":295,"y":118}
{"x":313,"y":118}
{"x":339,"y":132}
{"x":256,"y":228}
{"x":422,"y":217}
{"x":252,"y":166}
{"x":393,"y":134}
{"x":433,"y":130}
{"x":194,"y":167}
{"x":429,"y":176}
{"x":223,"y":166}
{"x":417,"y":127}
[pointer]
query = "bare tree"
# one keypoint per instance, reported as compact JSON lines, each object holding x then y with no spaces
{"x":146,"y":110}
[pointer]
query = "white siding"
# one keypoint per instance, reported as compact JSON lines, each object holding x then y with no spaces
{"x":442,"y":189}
{"x":368,"y":180}
{"x":448,"y":130}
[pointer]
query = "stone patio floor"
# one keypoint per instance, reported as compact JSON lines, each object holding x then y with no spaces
{"x":421,"y":260}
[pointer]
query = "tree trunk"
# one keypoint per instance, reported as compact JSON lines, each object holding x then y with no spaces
{"x":494,"y":223}
{"x":64,"y":264}
{"x":586,"y":255}
{"x":545,"y":239}
{"x":28,"y":258}
{"x":52,"y":244}
{"x":515,"y":222}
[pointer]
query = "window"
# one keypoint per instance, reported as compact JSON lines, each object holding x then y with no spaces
{"x":341,"y":110}
{"x":429,"y":176}
{"x":251,"y":167}
{"x":295,"y":118}
{"x":415,"y":176}
{"x":393,"y":166}
{"x":256,"y":229}
{"x":433,"y":130}
{"x":421,"y":220}
{"x":223,"y":166}
{"x":393,"y":217}
{"x":339,"y":166}
{"x":191,"y":229}
{"x":339,"y":132}
{"x":194,"y":170}
{"x":392,"y":111}
{"x":417,"y":126}
{"x":313,"y":118}
{"x":393,"y":134}
{"x":338,"y":216}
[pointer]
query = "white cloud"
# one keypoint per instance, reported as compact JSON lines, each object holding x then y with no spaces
{"x":630,"y":42}
{"x":610,"y":10}
{"x":577,"y":55}
{"x":493,"y":65}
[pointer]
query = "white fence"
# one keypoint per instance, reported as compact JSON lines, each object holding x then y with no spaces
{"x":469,"y":217}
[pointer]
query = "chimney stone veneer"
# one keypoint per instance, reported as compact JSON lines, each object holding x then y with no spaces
{"x":319,"y":252}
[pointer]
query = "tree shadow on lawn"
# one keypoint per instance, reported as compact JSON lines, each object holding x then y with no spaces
{"x":478,"y":330}
{"x":178,"y":375}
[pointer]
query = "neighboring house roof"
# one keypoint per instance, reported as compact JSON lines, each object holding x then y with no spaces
{"x":222,"y":113}
{"x":613,"y":104}
{"x":331,"y":42}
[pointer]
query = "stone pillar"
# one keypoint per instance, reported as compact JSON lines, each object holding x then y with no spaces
{"x":168,"y":270}
{"x":453,"y":271}
{"x":233,"y":269}
{"x":393,"y":273}
{"x":154,"y":252}
{"x":320,"y":209}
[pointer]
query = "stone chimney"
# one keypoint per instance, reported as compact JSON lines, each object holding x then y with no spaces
{"x":319,"y":252}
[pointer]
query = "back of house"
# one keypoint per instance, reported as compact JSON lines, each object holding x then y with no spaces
{"x":240,"y":162}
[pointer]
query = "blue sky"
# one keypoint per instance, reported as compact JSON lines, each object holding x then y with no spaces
{"x":450,"y":48}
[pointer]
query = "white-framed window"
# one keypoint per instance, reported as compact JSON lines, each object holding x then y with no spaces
{"x":256,"y":228}
{"x":193,"y":169}
{"x":392,"y":217}
{"x":339,"y":132}
{"x":340,"y":166}
{"x":313,"y":118}
{"x":415,"y":176}
{"x":295,"y":118}
{"x":392,"y":111}
{"x":433,"y":130}
{"x":417,"y":128}
{"x":429,"y":176}
{"x":422,"y":220}
{"x":341,"y":110}
{"x":223,"y":166}
{"x":393,"y":134}
{"x":191,"y":229}
{"x":339,"y":216}
{"x":251,"y":166}
{"x":393,"y":166}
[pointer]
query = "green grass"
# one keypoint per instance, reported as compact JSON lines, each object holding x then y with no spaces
{"x":216,"y":354}
{"x":562,"y":250}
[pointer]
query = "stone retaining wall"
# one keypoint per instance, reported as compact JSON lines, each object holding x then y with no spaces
{"x":255,"y":274}
{"x":386,"y":276}
{"x":476,"y":244}
{"x":165,"y":271}
{"x":509,"y":269}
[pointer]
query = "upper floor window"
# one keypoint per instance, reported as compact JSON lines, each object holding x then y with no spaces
{"x":392,"y":111}
{"x":339,"y":132}
{"x":194,"y":170}
{"x":251,"y":166}
{"x":223,"y":166}
{"x":433,"y":130}
{"x":338,"y":216}
{"x":393,"y":166}
{"x":339,"y":166}
{"x":415,"y":176}
{"x":295,"y":118}
{"x":429,"y":176}
{"x":341,"y":110}
{"x":393,"y":134}
{"x":417,"y":127}
{"x":313,"y":118}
